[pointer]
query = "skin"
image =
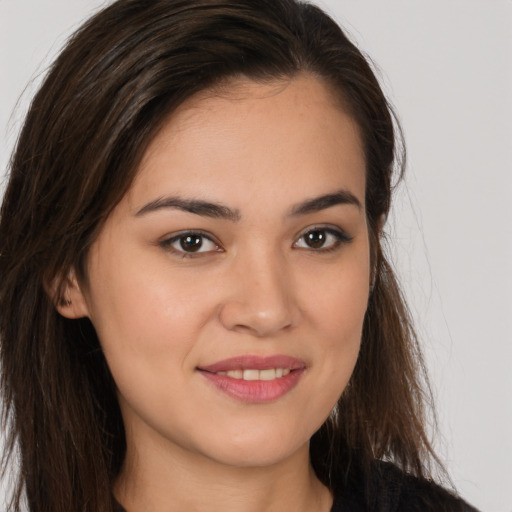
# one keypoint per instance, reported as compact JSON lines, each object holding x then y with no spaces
{"x":256,"y":288}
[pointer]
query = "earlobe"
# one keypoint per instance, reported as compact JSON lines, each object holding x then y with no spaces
{"x":382,"y":221}
{"x":69,"y":299}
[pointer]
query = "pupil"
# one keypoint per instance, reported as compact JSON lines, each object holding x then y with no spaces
{"x":191,"y":243}
{"x":315,"y":239}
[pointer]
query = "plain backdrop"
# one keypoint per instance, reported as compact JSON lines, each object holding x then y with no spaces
{"x":447,"y":67}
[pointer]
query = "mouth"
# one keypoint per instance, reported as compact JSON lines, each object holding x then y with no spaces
{"x":254,"y":374}
{"x":255,"y":379}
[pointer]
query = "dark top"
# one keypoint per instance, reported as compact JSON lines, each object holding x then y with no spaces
{"x":395,"y":491}
{"x":392,"y":491}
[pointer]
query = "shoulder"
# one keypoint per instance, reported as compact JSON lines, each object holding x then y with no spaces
{"x":388,"y":489}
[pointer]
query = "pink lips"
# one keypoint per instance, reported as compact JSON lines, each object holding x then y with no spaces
{"x":254,"y":391}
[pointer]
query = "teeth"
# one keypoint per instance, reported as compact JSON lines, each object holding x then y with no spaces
{"x":268,"y":374}
{"x":253,"y":374}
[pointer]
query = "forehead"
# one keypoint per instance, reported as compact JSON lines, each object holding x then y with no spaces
{"x":245,"y":136}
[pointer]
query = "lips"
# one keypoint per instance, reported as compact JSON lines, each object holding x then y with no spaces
{"x":255,"y":379}
{"x":248,"y":362}
{"x":255,"y":374}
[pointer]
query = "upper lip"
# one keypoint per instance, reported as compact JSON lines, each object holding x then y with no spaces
{"x":255,"y":362}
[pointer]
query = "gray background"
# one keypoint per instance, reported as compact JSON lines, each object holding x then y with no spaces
{"x":447,"y":67}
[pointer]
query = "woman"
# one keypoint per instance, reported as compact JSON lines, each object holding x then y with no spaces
{"x":196,"y":312}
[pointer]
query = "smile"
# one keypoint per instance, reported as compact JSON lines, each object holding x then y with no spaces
{"x":253,"y":374}
{"x":254,"y":379}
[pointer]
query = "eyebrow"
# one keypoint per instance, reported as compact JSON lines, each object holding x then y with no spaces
{"x":220,"y":211}
{"x":319,"y":203}
{"x":203,"y":208}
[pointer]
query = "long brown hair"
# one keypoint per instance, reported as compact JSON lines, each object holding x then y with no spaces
{"x":104,"y":98}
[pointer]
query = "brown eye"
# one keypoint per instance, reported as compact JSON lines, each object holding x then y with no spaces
{"x":191,"y":243}
{"x":315,"y":239}
{"x":322,"y":239}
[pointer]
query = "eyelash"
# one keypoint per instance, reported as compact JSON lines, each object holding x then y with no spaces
{"x":339,"y":235}
{"x":168,"y":243}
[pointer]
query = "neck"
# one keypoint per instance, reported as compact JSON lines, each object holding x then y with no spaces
{"x":174,"y":480}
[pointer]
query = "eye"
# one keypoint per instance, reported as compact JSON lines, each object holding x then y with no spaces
{"x":322,"y":239}
{"x":189,"y":243}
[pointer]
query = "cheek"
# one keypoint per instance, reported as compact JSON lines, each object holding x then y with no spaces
{"x":339,"y":299}
{"x":338,"y":306}
{"x":147,"y":336}
{"x":139,"y":312}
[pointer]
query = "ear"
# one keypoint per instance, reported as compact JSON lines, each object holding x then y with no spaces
{"x":382,"y":221}
{"x":68,"y":297}
{"x":376,"y":252}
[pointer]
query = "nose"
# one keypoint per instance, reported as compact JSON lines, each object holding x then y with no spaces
{"x":263,"y":299}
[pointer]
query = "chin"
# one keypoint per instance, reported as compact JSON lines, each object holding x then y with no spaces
{"x":245,"y":457}
{"x":258,"y":448}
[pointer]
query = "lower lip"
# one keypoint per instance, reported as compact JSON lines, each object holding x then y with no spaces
{"x":254,"y":391}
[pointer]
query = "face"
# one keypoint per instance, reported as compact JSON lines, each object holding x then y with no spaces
{"x":228,"y":287}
